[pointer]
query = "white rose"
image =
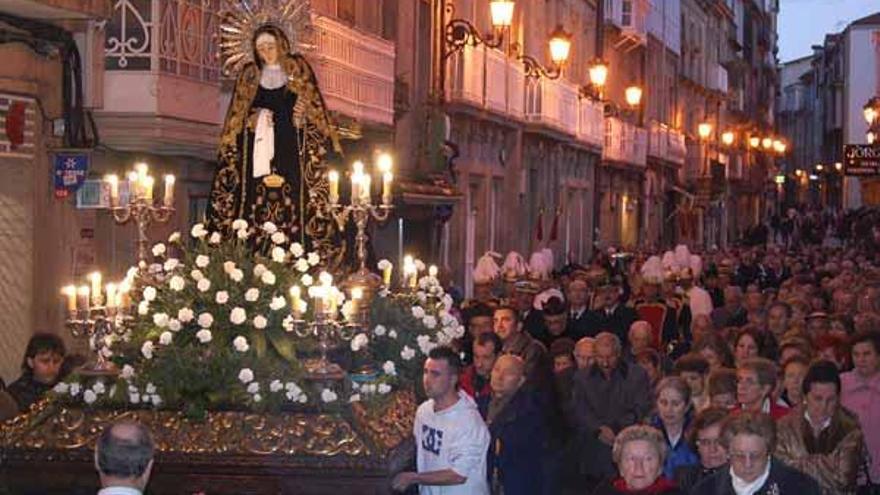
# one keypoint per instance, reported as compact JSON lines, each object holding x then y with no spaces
{"x":237,"y":316}
{"x":174,"y":325}
{"x":61,"y":388}
{"x":302,"y":265}
{"x":407,"y":353}
{"x":359,"y":341}
{"x":196,"y":275}
{"x":240,"y":344}
{"x":215,"y":238}
{"x":198,"y":231}
{"x":252,"y":294}
{"x":228,"y":267}
{"x":296,"y":250}
{"x":174,"y":238}
{"x":303,"y":399}
{"x":276,"y":386}
{"x":260,"y":322}
{"x":257,"y":397}
{"x":239,"y":224}
{"x":206,"y":320}
{"x":270,"y":228}
{"x":160,"y":320}
{"x":389,"y":368}
{"x":278,"y":254}
{"x":222,"y":297}
{"x":268,"y":278}
{"x":177,"y":283}
{"x":204,"y":335}
{"x":134,"y":398}
{"x":202,"y":261}
{"x":242,"y":234}
{"x":246,"y":375}
{"x":447,"y":302}
{"x":392,"y":334}
{"x":127,"y":372}
{"x":354,"y":398}
{"x":204,"y":285}
{"x":279,"y":238}
{"x":99,"y":388}
{"x":314,"y":259}
{"x":418,"y":312}
{"x":75,"y":389}
{"x":159,"y":249}
{"x":277,"y":303}
{"x":150,"y":388}
{"x":430,"y":322}
{"x":236,"y":275}
{"x":384,"y":388}
{"x":157,"y":401}
{"x":259,"y":270}
{"x":292,"y":387}
{"x":185,"y":315}
{"x":166,"y":338}
{"x":147,"y":349}
{"x":425,"y":344}
{"x":307,"y":280}
{"x":89,"y":396}
{"x":253,"y":387}
{"x":149,"y":293}
{"x":328,"y":395}
{"x":171,"y":264}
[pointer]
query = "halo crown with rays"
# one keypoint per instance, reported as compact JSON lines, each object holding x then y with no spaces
{"x":239,"y":20}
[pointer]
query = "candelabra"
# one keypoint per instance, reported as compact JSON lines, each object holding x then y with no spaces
{"x":326,"y":330}
{"x":140,"y":206}
{"x":96,"y":323}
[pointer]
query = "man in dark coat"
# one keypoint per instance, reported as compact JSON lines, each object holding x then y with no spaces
{"x":578,"y":295}
{"x":611,"y":315}
{"x":518,"y":428}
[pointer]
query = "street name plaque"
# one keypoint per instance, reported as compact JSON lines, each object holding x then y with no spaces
{"x":861,"y":160}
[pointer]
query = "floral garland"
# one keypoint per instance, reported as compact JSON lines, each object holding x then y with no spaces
{"x":213,"y":330}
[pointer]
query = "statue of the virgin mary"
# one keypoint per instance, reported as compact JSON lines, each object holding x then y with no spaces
{"x":276,"y":130}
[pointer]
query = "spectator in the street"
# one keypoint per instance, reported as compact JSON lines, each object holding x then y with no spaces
{"x":793,"y":372}
{"x":733,"y":313}
{"x":819,"y":438}
{"x":40,"y":369}
{"x":778,"y":316}
{"x":639,"y":452}
{"x":124,"y":458}
{"x":861,"y":394}
{"x":694,"y":370}
{"x":755,"y":381}
{"x":722,"y":388}
{"x":585,"y":352}
{"x":578,"y":296}
{"x":519,"y":343}
{"x":475,"y":378}
{"x":716,"y":351}
{"x":705,"y":438}
{"x":673,"y":418}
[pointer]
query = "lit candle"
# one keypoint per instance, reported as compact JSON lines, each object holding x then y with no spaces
{"x":112,"y":300}
{"x":384,"y":162}
{"x":432,"y":271}
{"x":133,"y":185}
{"x":122,"y":295}
{"x":82,"y":298}
{"x":366,"y":190}
{"x":333,"y":296}
{"x":295,"y":300}
{"x":387,"y":177}
{"x":148,"y":188}
{"x":386,"y":274}
{"x":95,"y":278}
{"x":333,"y":178}
{"x":357,"y":176}
{"x":317,"y":293}
{"x":141,"y":169}
{"x":113,"y":181}
{"x":70,"y":293}
{"x":169,"y":191}
{"x":357,"y":293}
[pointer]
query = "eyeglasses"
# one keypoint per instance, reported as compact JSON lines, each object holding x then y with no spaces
{"x":750,"y":457}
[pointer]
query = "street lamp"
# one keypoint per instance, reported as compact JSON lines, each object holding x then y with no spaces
{"x":767,"y":143}
{"x":560,"y":47}
{"x":779,"y":146}
{"x":838,"y":166}
{"x":633,"y":96}
{"x":502,"y":13}
{"x":460,"y":32}
{"x":754,"y":142}
{"x":728,"y":138}
{"x":598,"y":73}
{"x":704,"y":129}
{"x":872,"y":110}
{"x":820,"y":167}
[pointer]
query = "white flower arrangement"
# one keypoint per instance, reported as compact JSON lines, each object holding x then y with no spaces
{"x":177,"y":283}
{"x":174,"y":238}
{"x":276,"y":386}
{"x":229,"y":267}
{"x":296,"y":250}
{"x":240,"y":344}
{"x":221,"y":297}
{"x":61,"y":388}
{"x":307,"y":280}
{"x":158,"y":249}
{"x":259,"y":270}
{"x":430,"y":322}
{"x":302,"y":265}
{"x":89,"y":397}
{"x":166,"y":338}
{"x":359,"y":341}
{"x":392,"y":334}
{"x":160,"y":320}
{"x":204,"y":335}
{"x":237,"y":275}
{"x":278,"y":302}
{"x":253,"y":387}
{"x":246,"y":375}
{"x":239,"y":224}
{"x":215,"y":238}
{"x":354,"y":398}
{"x":328,"y":396}
{"x":418,"y":312}
{"x":143,"y":308}
{"x":204,"y":285}
{"x":238,"y":316}
{"x":425,"y":344}
{"x":185,"y":315}
{"x":279,"y":238}
{"x":242,"y":234}
{"x":278,"y":253}
{"x":198,"y":231}
{"x":75,"y":389}
{"x":389,"y":368}
{"x":202,"y":261}
{"x":260,"y":322}
{"x":147,"y":349}
{"x":150,"y":293}
{"x":170,"y":264}
{"x":269,"y":228}
{"x":174,"y":325}
{"x":252,"y":294}
{"x":268,"y":278}
{"x":407,"y":353}
{"x":127,"y":372}
{"x":384,"y":388}
{"x":206,"y":320}
{"x":313,"y":259}
{"x":379,"y":330}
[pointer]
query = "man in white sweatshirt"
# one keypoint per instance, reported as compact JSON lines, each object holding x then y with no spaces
{"x":451,"y":438}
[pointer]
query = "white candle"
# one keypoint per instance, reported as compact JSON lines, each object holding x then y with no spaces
{"x":70,"y":294}
{"x":169,"y":191}
{"x":387,"y":177}
{"x":365,"y":191}
{"x":133,"y":185}
{"x":386,"y":274}
{"x":295,"y":300}
{"x":112,"y":300}
{"x":113,"y":181}
{"x":432,"y":271}
{"x":384,"y":162}
{"x":148,"y":188}
{"x":82,"y":298}
{"x":333,"y":178}
{"x":95,"y":278}
{"x":357,"y":177}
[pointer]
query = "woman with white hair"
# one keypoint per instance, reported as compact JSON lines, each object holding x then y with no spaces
{"x":639,"y":452}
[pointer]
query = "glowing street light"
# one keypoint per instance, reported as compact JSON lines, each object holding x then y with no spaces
{"x":767,"y":143}
{"x":502,"y":13}
{"x":598,"y":73}
{"x":728,"y":138}
{"x":560,"y":45}
{"x":754,"y":141}
{"x":704,"y":130}
{"x":838,"y":166}
{"x":633,"y":96}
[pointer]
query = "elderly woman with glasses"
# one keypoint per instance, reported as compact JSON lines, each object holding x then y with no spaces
{"x":705,"y":439}
{"x":639,"y":452}
{"x":750,"y":438}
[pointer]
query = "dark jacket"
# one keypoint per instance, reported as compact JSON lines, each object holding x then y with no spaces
{"x":618,"y":322}
{"x":687,"y":477}
{"x":680,"y":454}
{"x":26,"y":391}
{"x":783,"y":480}
{"x":519,"y":444}
{"x":617,"y":487}
{"x":477,"y":387}
{"x":579,"y":327}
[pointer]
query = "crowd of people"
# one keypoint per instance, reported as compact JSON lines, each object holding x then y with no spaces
{"x":754,"y":370}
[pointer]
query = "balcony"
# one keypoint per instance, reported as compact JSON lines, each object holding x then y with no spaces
{"x":469,"y":73}
{"x":162,"y":89}
{"x":625,"y":142}
{"x":631,"y":16}
{"x":552,"y":103}
{"x":591,"y":123}
{"x":717,"y":76}
{"x":356,"y":72}
{"x":677,"y":147}
{"x":666,"y":144}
